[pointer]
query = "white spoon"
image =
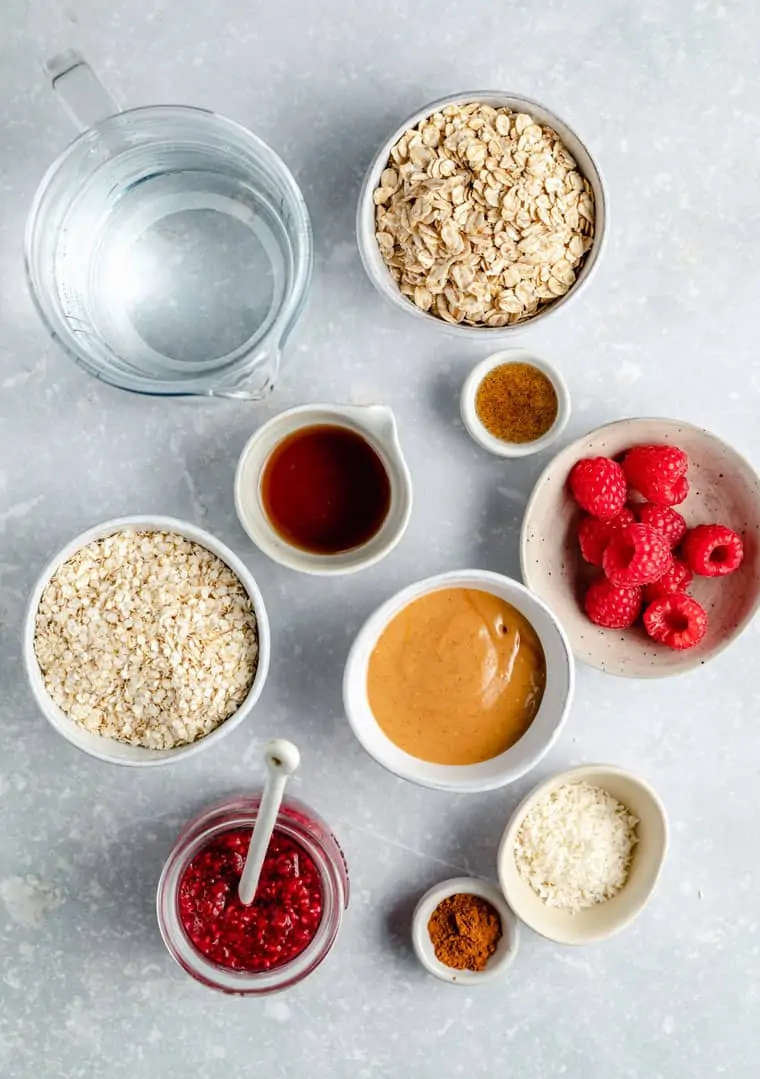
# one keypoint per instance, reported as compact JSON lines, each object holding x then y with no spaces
{"x":282,"y":759}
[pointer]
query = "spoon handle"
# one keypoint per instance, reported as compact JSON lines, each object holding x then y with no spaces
{"x":266,"y":818}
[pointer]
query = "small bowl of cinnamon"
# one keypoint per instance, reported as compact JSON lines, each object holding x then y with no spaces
{"x":514,"y":404}
{"x":463,"y":932}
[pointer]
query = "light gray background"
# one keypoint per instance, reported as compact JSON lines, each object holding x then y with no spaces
{"x":665,"y":93}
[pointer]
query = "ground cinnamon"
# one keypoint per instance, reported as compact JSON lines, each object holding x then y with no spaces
{"x":516,"y":402}
{"x":465,"y":930}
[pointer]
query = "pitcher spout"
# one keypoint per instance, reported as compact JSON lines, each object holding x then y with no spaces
{"x":253,"y":381}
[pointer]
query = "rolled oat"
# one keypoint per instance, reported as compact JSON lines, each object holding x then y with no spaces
{"x":147,"y":638}
{"x":482,"y":215}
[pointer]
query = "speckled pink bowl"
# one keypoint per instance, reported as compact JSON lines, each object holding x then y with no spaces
{"x":724,"y":488}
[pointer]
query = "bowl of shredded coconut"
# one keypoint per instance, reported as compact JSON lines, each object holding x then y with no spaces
{"x":581,"y":854}
{"x":146,"y":639}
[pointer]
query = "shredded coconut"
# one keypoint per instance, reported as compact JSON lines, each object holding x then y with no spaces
{"x":575,"y":846}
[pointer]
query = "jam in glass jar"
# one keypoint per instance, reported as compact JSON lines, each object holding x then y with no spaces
{"x":295,"y":917}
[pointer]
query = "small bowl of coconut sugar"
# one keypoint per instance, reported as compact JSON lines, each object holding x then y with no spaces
{"x":581,"y":854}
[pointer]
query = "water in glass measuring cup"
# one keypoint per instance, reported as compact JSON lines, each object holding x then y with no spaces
{"x":172,"y":265}
{"x":168,"y":249}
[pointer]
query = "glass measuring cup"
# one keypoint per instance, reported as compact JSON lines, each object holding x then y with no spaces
{"x":168,"y":249}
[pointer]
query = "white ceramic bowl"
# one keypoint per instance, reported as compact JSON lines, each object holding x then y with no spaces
{"x":506,"y":949}
{"x":107,"y":749}
{"x":377,"y":425}
{"x":605,"y":919}
{"x":724,"y":489}
{"x":480,"y":433}
{"x":514,"y":762}
{"x":378,"y":272}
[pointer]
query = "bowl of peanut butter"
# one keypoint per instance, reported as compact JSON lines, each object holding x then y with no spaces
{"x":460,"y":682}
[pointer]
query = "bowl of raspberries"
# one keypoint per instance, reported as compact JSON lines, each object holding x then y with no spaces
{"x":643,"y":536}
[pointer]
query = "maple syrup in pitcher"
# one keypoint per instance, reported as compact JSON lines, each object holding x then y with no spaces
{"x":325,"y":489}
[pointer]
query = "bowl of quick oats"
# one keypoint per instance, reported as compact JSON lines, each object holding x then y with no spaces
{"x":146,"y":639}
{"x":481,"y":214}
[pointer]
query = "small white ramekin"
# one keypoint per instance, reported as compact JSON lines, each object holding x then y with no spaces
{"x":480,"y":433}
{"x":603,"y":920}
{"x":524,"y":754}
{"x":378,"y":272}
{"x":108,"y":749}
{"x":376,"y":424}
{"x":506,"y":949}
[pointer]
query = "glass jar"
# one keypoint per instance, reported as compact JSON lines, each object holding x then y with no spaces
{"x":302,"y":825}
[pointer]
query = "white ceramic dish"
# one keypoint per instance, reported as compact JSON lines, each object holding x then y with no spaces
{"x":605,"y":919}
{"x":481,"y":434}
{"x":378,"y":272}
{"x":107,"y":749}
{"x":377,"y":425}
{"x":506,"y":949}
{"x":724,"y":488}
{"x":508,"y":766}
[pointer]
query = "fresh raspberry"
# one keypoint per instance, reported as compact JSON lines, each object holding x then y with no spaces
{"x":598,"y":485}
{"x":651,"y":470}
{"x":660,"y":494}
{"x":673,"y":494}
{"x":677,"y":579}
{"x":607,"y":605}
{"x":712,"y":550}
{"x":677,"y":621}
{"x":594,"y":535}
{"x":636,"y":554}
{"x":663,"y":519}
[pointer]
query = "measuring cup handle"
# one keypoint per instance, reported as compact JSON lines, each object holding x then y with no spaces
{"x":83,"y":95}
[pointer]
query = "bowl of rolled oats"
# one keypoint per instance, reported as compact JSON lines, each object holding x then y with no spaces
{"x":146,"y":639}
{"x":483,"y":212}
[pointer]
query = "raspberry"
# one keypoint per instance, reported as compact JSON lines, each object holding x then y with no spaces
{"x":594,"y":535}
{"x":636,"y":554}
{"x":598,"y":485}
{"x":674,"y":494}
{"x":712,"y":550}
{"x":654,"y":470}
{"x":663,"y":519}
{"x":607,"y":605}
{"x":677,"y":621}
{"x":677,"y":579}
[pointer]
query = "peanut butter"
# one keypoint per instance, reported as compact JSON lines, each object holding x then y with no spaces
{"x":456,"y":677}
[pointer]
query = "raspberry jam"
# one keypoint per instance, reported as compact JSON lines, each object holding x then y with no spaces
{"x":283,"y":918}
{"x":298,"y":910}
